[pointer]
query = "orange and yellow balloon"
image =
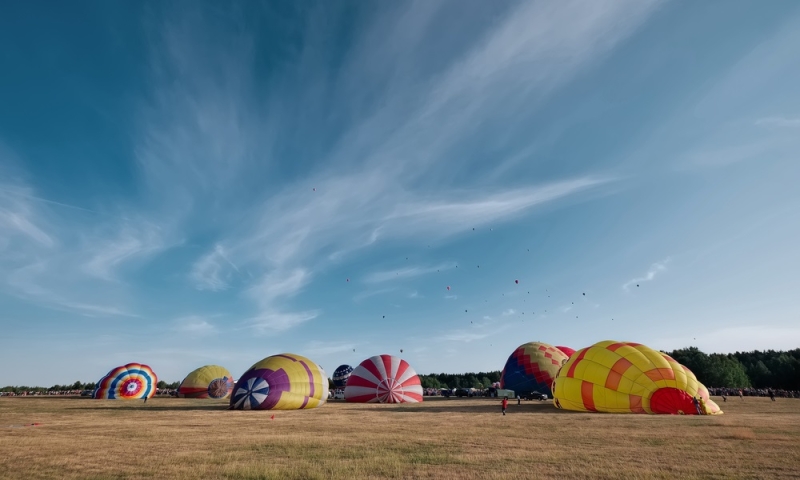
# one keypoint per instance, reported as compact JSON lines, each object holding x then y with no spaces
{"x":625,"y":377}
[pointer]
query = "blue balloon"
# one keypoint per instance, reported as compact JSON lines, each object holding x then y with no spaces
{"x":341,"y":374}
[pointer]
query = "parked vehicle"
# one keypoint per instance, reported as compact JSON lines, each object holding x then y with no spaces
{"x":536,"y":396}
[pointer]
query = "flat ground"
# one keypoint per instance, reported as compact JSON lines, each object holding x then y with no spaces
{"x":440,"y":438}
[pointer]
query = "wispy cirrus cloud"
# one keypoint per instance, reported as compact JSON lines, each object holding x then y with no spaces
{"x":276,"y":322}
{"x":406,"y":272}
{"x":195,"y":325}
{"x":655,"y":269}
{"x":783,"y":122}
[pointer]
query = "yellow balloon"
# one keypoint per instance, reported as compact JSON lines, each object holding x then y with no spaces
{"x":625,"y":377}
{"x":281,"y":382}
{"x":210,"y":381}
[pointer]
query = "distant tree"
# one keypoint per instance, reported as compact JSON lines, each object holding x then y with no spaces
{"x":161,"y":384}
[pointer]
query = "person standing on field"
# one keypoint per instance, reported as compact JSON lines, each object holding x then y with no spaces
{"x":505,"y":405}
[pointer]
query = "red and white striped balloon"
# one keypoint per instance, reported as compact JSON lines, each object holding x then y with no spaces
{"x":383,"y":379}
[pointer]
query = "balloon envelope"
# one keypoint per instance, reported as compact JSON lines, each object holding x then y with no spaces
{"x":134,"y":381}
{"x":532,"y":368}
{"x":383,"y":379}
{"x":341,"y":374}
{"x":210,"y":381}
{"x":568,"y":351}
{"x":281,"y":382}
{"x":625,"y":377}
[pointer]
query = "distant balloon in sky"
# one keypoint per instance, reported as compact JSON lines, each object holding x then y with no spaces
{"x":516,"y":281}
{"x":210,"y":381}
{"x":134,"y":381}
{"x":383,"y":379}
{"x":314,"y":189}
{"x":448,"y":288}
{"x":281,"y":382}
{"x":626,"y":377}
{"x":348,"y":279}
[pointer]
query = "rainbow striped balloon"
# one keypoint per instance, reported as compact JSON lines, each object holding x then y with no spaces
{"x":383,"y":379}
{"x":134,"y":381}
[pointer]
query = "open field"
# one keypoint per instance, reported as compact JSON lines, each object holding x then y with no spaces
{"x":443,"y":438}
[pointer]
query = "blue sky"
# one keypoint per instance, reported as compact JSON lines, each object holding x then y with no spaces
{"x":191,"y":183}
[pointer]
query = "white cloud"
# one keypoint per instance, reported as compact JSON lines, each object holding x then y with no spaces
{"x":132,"y":242}
{"x":276,"y":322}
{"x":317,"y":348}
{"x":508,"y":312}
{"x":785,"y":122}
{"x":371,"y":293}
{"x":465,"y":337}
{"x":18,"y":216}
{"x":407,"y":272}
{"x":212,"y":271}
{"x":194,"y":325}
{"x":654,"y":270}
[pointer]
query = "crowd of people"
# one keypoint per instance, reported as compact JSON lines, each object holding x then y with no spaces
{"x":84,"y":393}
{"x":753,"y":392}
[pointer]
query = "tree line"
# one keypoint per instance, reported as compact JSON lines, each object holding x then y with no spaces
{"x":769,"y":369}
{"x":75,"y":386}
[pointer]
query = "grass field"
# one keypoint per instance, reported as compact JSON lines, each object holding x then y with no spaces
{"x":440,"y":438}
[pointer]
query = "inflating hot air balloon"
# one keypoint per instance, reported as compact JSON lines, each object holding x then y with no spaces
{"x":383,"y":379}
{"x":341,"y":374}
{"x":532,"y":368}
{"x":568,"y":351}
{"x":623,"y":377}
{"x":133,"y":381}
{"x":210,"y":381}
{"x":281,"y":382}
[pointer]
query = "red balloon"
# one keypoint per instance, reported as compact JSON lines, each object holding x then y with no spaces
{"x":568,"y":351}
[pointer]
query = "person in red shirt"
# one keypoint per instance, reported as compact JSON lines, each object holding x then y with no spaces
{"x":505,"y":404}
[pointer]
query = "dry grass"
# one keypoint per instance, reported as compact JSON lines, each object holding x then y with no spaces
{"x":444,"y":438}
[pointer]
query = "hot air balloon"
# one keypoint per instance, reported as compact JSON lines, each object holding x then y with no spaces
{"x":281,"y":382}
{"x":532,"y":368}
{"x":341,"y":374}
{"x":134,"y":381}
{"x":516,"y":281}
{"x":568,"y":351}
{"x":383,"y":379}
{"x":210,"y":381}
{"x":624,"y":377}
{"x":448,"y":288}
